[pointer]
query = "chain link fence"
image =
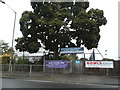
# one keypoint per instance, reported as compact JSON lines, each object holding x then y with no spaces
{"x":37,"y":71}
{"x":43,"y":72}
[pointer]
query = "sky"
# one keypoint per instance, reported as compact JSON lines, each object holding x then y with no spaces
{"x":109,"y":32}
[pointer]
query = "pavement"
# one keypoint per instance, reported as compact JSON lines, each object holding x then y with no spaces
{"x":92,"y":79}
{"x":89,"y":79}
{"x":75,"y":78}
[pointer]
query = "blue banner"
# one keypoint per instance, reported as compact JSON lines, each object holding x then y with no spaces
{"x":56,"y":64}
{"x":77,"y":50}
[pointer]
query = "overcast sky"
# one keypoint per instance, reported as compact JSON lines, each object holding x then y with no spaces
{"x":109,"y":32}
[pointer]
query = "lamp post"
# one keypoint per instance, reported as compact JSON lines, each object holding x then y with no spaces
{"x":106,"y":59}
{"x":106,"y":53}
{"x":12,"y":33}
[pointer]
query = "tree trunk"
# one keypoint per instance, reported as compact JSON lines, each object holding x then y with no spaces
{"x":56,"y":55}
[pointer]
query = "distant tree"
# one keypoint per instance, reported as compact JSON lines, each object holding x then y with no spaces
{"x":22,"y":61}
{"x":5,"y":52}
{"x":3,"y":46}
{"x":55,"y":24}
{"x":69,"y":57}
{"x":83,"y":59}
{"x":107,"y":59}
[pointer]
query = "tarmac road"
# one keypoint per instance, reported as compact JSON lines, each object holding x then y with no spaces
{"x":24,"y":83}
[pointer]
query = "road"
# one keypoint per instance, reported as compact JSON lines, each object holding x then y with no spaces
{"x":21,"y":83}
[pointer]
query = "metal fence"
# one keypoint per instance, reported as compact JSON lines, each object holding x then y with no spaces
{"x":39,"y":72}
{"x":71,"y":73}
{"x":26,"y":70}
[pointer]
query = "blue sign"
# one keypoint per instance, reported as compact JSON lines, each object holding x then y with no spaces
{"x":72,"y":50}
{"x":78,"y":62}
{"x":56,"y":64}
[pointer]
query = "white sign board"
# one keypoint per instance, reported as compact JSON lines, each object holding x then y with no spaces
{"x":99,"y":64}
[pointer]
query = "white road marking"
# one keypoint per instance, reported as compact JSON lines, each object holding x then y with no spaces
{"x":38,"y":81}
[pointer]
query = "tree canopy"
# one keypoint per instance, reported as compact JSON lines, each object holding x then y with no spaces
{"x":55,"y":24}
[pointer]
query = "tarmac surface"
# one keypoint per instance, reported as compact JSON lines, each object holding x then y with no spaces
{"x":23,"y":83}
{"x":73,"y":78}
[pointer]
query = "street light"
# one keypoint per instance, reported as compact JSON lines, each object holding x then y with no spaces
{"x":13,"y":30}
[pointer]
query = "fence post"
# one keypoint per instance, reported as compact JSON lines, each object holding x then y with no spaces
{"x":71,"y":66}
{"x":10,"y":71}
{"x":30,"y":70}
{"x":107,"y":71}
{"x":11,"y":68}
{"x":52,"y":74}
{"x":44,"y":62}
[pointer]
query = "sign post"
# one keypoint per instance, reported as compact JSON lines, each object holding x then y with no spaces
{"x":72,"y":50}
{"x":78,"y":65}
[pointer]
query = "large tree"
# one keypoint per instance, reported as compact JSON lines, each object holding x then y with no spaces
{"x":55,"y":24}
